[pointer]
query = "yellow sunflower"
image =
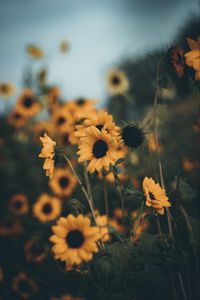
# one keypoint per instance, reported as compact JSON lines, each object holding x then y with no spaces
{"x":81,"y":106}
{"x":117,"y":82}
{"x":102,"y":222}
{"x":19,"y":204}
{"x":27,"y":104}
{"x":34,"y":51}
{"x":62,"y":119}
{"x":35,"y":250}
{"x":47,"y":208}
{"x":101,"y":120}
{"x":99,"y":148}
{"x":63,"y":182}
{"x":7,"y":89}
{"x":74,"y":239}
{"x":24,"y":286}
{"x":48,"y":153}
{"x":192,"y":58}
{"x":155,"y":195}
{"x":17,"y":119}
{"x":43,"y":126}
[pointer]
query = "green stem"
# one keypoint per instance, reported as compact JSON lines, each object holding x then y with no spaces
{"x":117,"y":182}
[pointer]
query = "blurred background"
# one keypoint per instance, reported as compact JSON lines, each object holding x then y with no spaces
{"x":100,"y":34}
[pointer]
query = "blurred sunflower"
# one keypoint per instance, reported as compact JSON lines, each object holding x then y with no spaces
{"x":48,"y":153}
{"x":155,"y":195}
{"x":132,"y":136}
{"x":63,"y":182}
{"x":74,"y":239}
{"x":34,"y":51}
{"x":11,"y":227}
{"x":42,"y":127}
{"x":64,"y":46}
{"x":42,"y":76}
{"x":7,"y":89}
{"x":24,"y":286}
{"x":101,"y":120}
{"x":192,"y":58}
{"x":70,"y":297}
{"x":99,"y":148}
{"x":116,"y":220}
{"x":189,"y":164}
{"x":18,"y":204}
{"x":139,"y":227}
{"x":81,"y":106}
{"x":27,"y":104}
{"x":47,"y":208}
{"x":53,"y":98}
{"x":151,"y":142}
{"x":117,"y":82}
{"x":102,"y":222}
{"x":35,"y":250}
{"x":62,"y":119}
{"x":17,"y":119}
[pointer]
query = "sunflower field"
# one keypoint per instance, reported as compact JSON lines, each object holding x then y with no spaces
{"x":101,"y":202}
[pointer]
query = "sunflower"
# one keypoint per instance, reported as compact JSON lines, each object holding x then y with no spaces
{"x":35,"y":250}
{"x":53,"y":98}
{"x":63,"y":182}
{"x":27,"y":104}
{"x":117,"y":82}
{"x":132,"y":136}
{"x":189,"y":164}
{"x":24,"y":286}
{"x":74,"y":239}
{"x":99,"y":148}
{"x":34,"y":51}
{"x":19,"y":204}
{"x":17,"y":119}
{"x":102,"y":222}
{"x":10,"y":227}
{"x":62,"y":119}
{"x":41,"y":127}
{"x":155,"y":195}
{"x":47,"y":208}
{"x":64,"y":46}
{"x":192,"y":58}
{"x":48,"y":153}
{"x":177,"y":60}
{"x":81,"y":106}
{"x":7,"y":89}
{"x":101,"y":120}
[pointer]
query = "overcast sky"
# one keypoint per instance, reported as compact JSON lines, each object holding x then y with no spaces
{"x":101,"y":33}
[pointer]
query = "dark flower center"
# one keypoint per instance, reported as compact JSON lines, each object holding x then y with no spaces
{"x":17,"y":116}
{"x":80,"y":101}
{"x":99,"y":126}
{"x":28,"y":102}
{"x":132,"y":136}
{"x":37,"y":248}
{"x":100,"y":148}
{"x":47,"y":208}
{"x":64,"y":181}
{"x":151,"y":196}
{"x":61,"y":120}
{"x":25,"y":287}
{"x":75,"y":239}
{"x":18,"y":204}
{"x":115,"y":80}
{"x":4,"y":88}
